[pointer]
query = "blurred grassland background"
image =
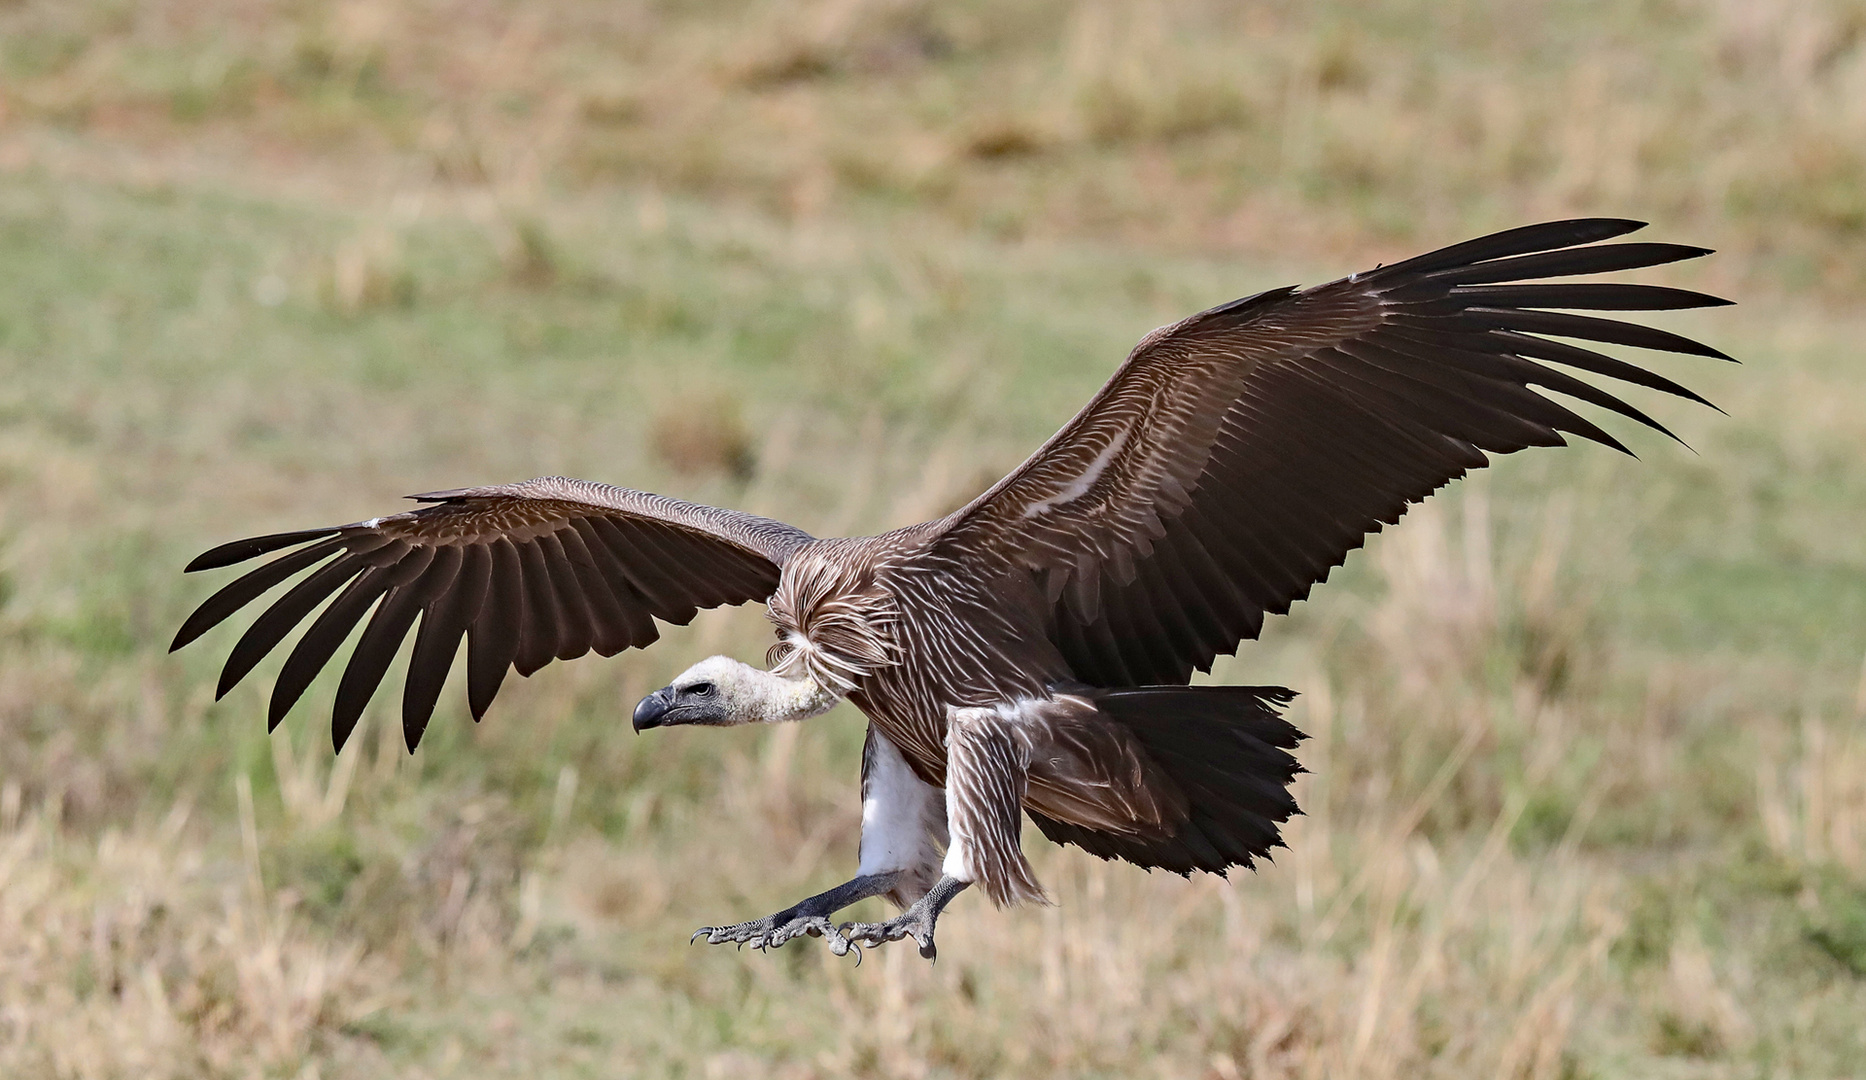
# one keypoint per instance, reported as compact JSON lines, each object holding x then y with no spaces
{"x":1588,"y":795}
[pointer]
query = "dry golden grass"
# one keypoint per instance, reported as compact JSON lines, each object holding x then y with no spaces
{"x":1588,"y":766}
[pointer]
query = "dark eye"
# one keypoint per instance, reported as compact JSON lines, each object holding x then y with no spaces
{"x":701,"y":689}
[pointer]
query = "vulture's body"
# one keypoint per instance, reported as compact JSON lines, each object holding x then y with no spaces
{"x":1030,"y":653}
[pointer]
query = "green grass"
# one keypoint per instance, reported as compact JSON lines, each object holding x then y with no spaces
{"x":1588,"y":789}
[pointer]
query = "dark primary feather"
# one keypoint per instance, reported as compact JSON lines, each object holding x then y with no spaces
{"x":241,"y":550}
{"x":1522,"y":240}
{"x":527,"y":573}
{"x":1566,"y":262}
{"x":1238,"y":456}
{"x":443,"y":623}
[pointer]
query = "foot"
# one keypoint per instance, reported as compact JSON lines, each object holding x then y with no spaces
{"x":805,"y":917}
{"x":916,"y":922}
{"x":910,"y":923}
{"x":773,"y":931}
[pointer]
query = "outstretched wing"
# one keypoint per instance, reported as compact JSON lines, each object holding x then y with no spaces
{"x":1239,"y":455}
{"x":547,"y":569}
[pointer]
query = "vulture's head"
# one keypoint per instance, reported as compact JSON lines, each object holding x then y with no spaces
{"x":722,"y":692}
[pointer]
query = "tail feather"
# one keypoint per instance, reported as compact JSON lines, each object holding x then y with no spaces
{"x":1227,"y":747}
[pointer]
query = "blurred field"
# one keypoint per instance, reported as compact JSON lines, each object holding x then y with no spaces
{"x":1588,"y":791}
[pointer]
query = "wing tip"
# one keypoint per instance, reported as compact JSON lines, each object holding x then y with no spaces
{"x":1608,"y":440}
{"x":239,"y":551}
{"x":1587,"y":230}
{"x":1521,"y":240}
{"x":1592,"y":230}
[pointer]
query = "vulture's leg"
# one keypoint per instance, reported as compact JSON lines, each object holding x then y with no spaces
{"x":903,"y":827}
{"x":986,"y":773}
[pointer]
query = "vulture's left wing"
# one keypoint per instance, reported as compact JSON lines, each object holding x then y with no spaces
{"x":527,"y":573}
{"x":1239,"y":455}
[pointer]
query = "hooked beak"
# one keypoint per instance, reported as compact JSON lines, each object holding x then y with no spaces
{"x":651,"y":710}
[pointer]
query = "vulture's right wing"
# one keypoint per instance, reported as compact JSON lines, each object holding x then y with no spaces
{"x":1239,"y":455}
{"x":547,"y":569}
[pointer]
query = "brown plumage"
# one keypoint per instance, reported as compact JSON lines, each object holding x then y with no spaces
{"x":1031,"y":651}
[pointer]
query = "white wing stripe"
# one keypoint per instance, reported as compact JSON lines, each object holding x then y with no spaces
{"x":1080,"y":486}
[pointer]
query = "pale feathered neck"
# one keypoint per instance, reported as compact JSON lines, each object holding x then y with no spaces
{"x":773,"y":699}
{"x":750,"y":696}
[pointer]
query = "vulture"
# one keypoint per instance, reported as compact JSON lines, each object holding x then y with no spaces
{"x":1033,"y":651}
